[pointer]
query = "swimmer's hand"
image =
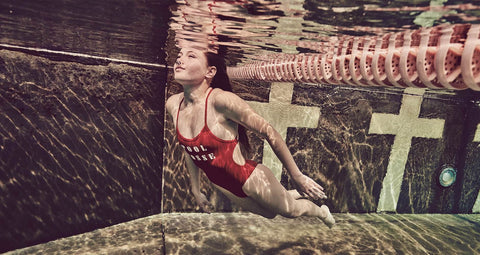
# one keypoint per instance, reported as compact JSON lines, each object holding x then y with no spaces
{"x":308,"y":187}
{"x":203,"y":202}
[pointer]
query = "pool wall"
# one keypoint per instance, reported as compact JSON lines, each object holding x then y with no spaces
{"x":81,"y":146}
{"x":359,"y":135}
{"x":80,"y":137}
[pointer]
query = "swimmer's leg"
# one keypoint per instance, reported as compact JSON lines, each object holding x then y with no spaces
{"x":294,"y":193}
{"x":266,"y":190}
{"x":247,"y":203}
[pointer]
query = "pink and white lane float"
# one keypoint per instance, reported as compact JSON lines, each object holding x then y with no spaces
{"x":440,"y":57}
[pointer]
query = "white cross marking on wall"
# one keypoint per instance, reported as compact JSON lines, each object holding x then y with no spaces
{"x":476,"y":206}
{"x":477,"y":134}
{"x":281,"y":114}
{"x":404,"y":126}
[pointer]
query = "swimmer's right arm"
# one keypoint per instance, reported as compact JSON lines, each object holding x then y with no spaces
{"x":194,"y":173}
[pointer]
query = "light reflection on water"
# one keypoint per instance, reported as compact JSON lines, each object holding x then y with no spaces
{"x":252,"y":29}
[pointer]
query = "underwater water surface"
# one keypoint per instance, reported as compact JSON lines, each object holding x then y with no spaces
{"x":250,"y":30}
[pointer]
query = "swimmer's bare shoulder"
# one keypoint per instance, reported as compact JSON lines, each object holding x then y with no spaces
{"x":172,"y":103}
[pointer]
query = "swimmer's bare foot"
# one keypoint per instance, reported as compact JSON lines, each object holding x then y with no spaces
{"x":328,"y":219}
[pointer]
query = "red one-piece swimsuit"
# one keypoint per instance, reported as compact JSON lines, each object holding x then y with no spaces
{"x":215,"y":157}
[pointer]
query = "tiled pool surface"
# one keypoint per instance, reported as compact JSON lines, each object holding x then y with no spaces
{"x":245,"y":233}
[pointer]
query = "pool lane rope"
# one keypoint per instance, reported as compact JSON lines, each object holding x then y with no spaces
{"x":441,"y":57}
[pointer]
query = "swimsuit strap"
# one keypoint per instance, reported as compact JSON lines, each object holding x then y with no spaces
{"x":206,"y":126}
{"x":206,"y":105}
{"x":178,"y":112}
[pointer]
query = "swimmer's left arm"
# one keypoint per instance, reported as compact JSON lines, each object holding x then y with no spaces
{"x":236,"y":109}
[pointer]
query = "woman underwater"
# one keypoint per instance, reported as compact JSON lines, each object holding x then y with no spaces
{"x":209,"y":118}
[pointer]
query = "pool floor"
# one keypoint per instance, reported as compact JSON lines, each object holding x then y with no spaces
{"x":244,"y":233}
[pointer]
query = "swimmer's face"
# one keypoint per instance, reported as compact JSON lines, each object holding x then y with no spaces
{"x":191,"y":66}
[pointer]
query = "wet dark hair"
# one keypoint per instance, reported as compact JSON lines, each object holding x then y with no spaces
{"x":221,"y":80}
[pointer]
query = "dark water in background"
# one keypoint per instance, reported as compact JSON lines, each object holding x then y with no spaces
{"x":127,"y":29}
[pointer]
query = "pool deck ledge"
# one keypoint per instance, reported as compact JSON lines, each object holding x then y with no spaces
{"x":245,"y":233}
